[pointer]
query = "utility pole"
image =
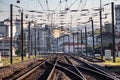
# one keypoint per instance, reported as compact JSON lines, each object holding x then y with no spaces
{"x":11,"y":31}
{"x":57,"y":44}
{"x":49,"y":38}
{"x":22,"y":45}
{"x":86,"y":40}
{"x":77,"y":42}
{"x":39,"y":41}
{"x":29,"y":40}
{"x":63,"y":44}
{"x":81,"y":41}
{"x":68,"y":43}
{"x":35,"y":42}
{"x":113,"y":32}
{"x":93,"y":34}
{"x":101,"y":29}
{"x":73,"y":44}
{"x":31,"y":44}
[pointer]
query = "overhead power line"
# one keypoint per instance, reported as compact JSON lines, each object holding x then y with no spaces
{"x":41,"y":5}
{"x":73,"y":3}
{"x":4,"y":3}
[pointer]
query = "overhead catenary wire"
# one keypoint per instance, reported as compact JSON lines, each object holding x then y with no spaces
{"x":82,"y":9}
{"x":73,"y":3}
{"x":66,"y":8}
{"x":66,"y":2}
{"x":84,"y":5}
{"x":4,"y":3}
{"x":58,"y":5}
{"x":47,"y":5}
{"x":79,"y":4}
{"x":41,"y":5}
{"x":78,"y":7}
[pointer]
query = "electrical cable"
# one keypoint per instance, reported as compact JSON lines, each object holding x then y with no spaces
{"x":72,"y":3}
{"x":82,"y":8}
{"x":4,"y":3}
{"x":41,"y":5}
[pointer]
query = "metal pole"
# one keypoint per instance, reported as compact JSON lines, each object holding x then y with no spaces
{"x":86,"y":40}
{"x":101,"y":30}
{"x":29,"y":40}
{"x":93,"y":34}
{"x":69,"y":43}
{"x":35,"y":42}
{"x":81,"y":41}
{"x":113,"y":32}
{"x":39,"y":41}
{"x":77,"y":42}
{"x":73,"y":45}
{"x":11,"y":31}
{"x":49,"y":37}
{"x":31,"y":45}
{"x":63,"y":43}
{"x":22,"y":35}
{"x":57,"y":44}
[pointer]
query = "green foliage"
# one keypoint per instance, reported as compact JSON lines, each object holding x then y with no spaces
{"x":89,"y":49}
{"x":18,"y":51}
{"x":109,"y":46}
{"x":105,"y":46}
{"x":18,"y":42}
{"x":98,"y":48}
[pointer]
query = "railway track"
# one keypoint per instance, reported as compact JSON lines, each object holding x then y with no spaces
{"x":91,"y":59}
{"x":93,"y":69}
{"x":69,"y":73}
{"x":64,"y":67}
{"x":28,"y":73}
{"x":23,"y":73}
{"x":77,"y":70}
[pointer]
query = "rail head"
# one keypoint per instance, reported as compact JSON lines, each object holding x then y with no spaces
{"x":89,"y":64}
{"x":29,"y":72}
{"x":52,"y":71}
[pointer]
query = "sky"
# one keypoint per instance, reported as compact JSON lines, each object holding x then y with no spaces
{"x":71,"y":17}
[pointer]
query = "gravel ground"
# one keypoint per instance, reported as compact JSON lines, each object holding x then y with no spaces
{"x":8,"y":70}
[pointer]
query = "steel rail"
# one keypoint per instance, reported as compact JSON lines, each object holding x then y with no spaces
{"x":30,"y":71}
{"x":80,"y":73}
{"x":50,"y":77}
{"x":95,"y":68}
{"x":88,"y":70}
{"x":67,"y":71}
{"x":92,"y":58}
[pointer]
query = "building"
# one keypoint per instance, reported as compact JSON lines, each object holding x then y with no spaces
{"x":4,"y":29}
{"x":70,"y":47}
{"x":90,"y":40}
{"x":17,"y":24}
{"x":106,"y":38}
{"x":41,"y":38}
{"x":70,"y":39}
{"x":108,"y":27}
{"x":117,"y":10}
{"x":5,"y":47}
{"x":6,"y":23}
